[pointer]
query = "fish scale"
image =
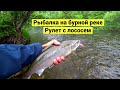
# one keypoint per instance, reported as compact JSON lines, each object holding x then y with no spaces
{"x":45,"y":60}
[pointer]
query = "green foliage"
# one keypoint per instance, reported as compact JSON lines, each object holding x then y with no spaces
{"x":48,"y":14}
{"x":26,"y":35}
{"x":8,"y":19}
{"x":96,"y":14}
{"x":57,"y":14}
{"x":5,"y":17}
{"x":112,"y":20}
{"x":111,"y":17}
{"x":73,"y":15}
{"x":2,"y":34}
{"x":6,"y":27}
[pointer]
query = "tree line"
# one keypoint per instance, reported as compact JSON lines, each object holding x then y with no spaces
{"x":13,"y":24}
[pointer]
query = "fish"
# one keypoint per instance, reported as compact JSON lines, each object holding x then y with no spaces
{"x":45,"y":59}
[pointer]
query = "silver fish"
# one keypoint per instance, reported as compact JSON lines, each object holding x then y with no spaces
{"x":45,"y":60}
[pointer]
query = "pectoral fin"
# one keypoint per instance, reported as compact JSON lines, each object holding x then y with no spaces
{"x":74,"y":53}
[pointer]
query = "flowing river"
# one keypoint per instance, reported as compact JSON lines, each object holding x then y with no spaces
{"x":98,"y":59}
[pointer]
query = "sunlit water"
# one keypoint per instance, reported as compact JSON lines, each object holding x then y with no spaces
{"x":98,"y":59}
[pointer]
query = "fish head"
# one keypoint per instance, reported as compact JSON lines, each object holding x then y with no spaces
{"x":72,"y":44}
{"x":75,"y":44}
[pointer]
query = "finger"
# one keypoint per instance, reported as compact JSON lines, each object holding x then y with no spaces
{"x":55,"y":42}
{"x":58,"y":59}
{"x":62,"y":58}
{"x":49,"y":43}
{"x":55,"y":62}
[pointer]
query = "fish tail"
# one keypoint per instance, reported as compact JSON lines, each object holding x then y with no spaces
{"x":28,"y":74}
{"x":25,"y":75}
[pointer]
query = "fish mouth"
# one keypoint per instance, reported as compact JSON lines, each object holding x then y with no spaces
{"x":81,"y":44}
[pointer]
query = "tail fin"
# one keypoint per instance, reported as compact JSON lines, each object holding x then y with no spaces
{"x":39,"y":72}
{"x":28,"y":76}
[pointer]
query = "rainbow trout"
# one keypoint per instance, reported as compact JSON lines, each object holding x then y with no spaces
{"x":45,"y":60}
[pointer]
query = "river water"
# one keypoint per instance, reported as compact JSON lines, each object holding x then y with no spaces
{"x":98,"y":59}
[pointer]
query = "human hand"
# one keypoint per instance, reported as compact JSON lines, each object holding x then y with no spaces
{"x":58,"y":60}
{"x":52,"y":42}
{"x":56,"y":43}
